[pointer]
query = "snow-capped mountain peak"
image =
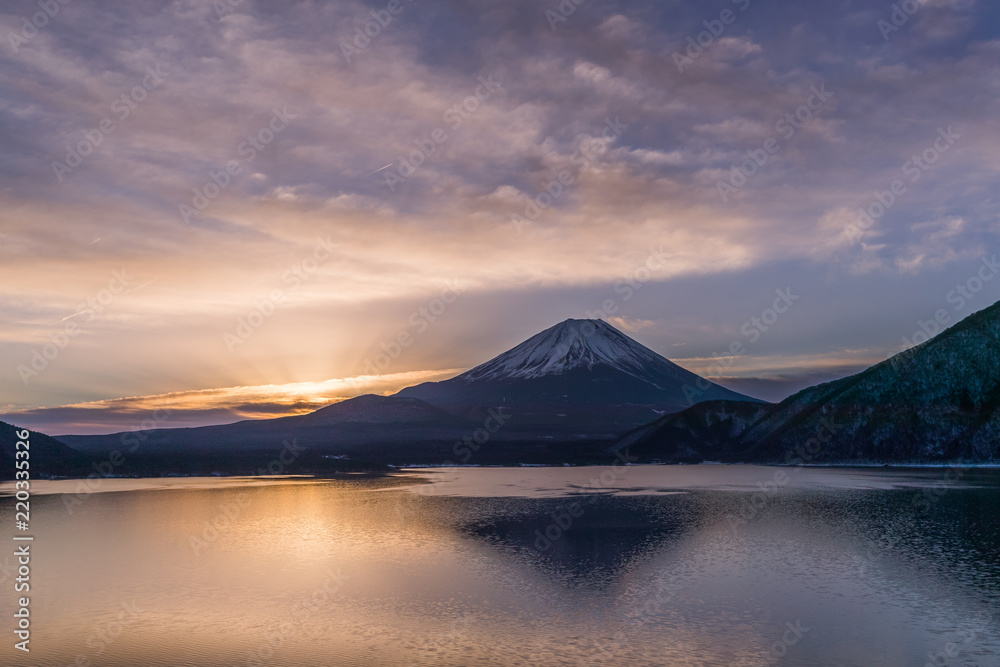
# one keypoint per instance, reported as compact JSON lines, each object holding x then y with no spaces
{"x":586,"y":364}
{"x":565,"y":346}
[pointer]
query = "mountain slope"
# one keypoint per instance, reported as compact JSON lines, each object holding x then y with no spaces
{"x":937,"y":401}
{"x":373,"y":409}
{"x":47,"y":456}
{"x":357,"y":420}
{"x":363,"y":432}
{"x":584,"y":367}
{"x":571,"y":391}
{"x":564,"y":394}
{"x":708,"y":431}
{"x":575,"y":344}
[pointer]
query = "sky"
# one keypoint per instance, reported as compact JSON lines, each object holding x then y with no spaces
{"x":243,"y":209}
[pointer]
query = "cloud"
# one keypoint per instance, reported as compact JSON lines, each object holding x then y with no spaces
{"x":547,"y":109}
{"x":630,"y":324}
{"x":212,"y":406}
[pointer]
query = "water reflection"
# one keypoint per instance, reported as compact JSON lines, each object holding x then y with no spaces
{"x":667,"y":566}
{"x":587,"y":541}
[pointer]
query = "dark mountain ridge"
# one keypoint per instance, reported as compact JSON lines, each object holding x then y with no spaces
{"x":593,"y":375}
{"x":934,"y":403}
{"x":578,"y":392}
{"x":46,"y":456}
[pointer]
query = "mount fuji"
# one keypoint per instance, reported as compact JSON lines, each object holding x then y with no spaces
{"x":580,"y":392}
{"x":578,"y":372}
{"x":565,"y":394}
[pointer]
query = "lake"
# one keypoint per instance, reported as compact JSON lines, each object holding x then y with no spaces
{"x":636,"y":565}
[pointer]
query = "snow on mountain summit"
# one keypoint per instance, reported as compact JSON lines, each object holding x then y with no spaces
{"x":568,"y":345}
{"x":579,"y":372}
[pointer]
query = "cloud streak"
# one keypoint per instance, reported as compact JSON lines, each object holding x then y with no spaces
{"x":219,"y":76}
{"x":205,"y":406}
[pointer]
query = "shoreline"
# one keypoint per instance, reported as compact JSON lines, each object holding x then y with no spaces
{"x":394,"y":469}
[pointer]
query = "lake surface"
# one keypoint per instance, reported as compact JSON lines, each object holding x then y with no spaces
{"x":638,"y":565}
